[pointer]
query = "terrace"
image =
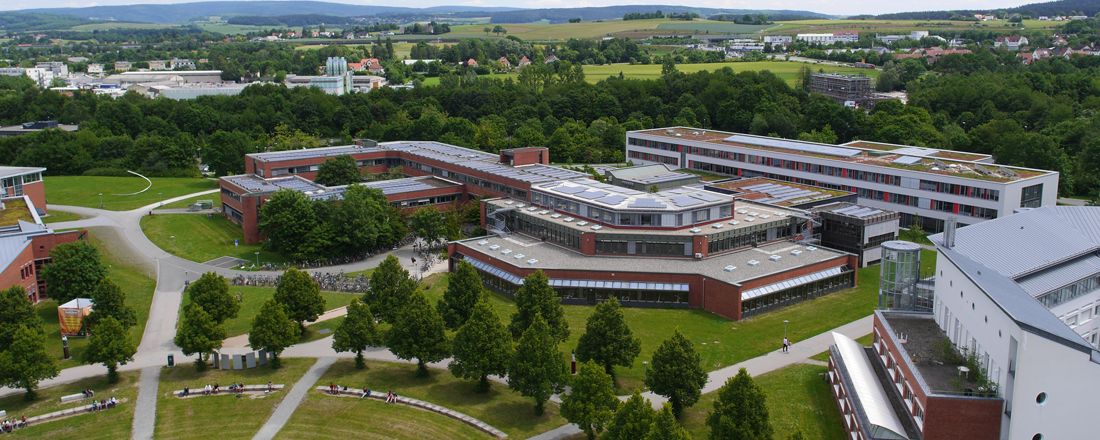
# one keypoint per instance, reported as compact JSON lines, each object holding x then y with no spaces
{"x":927,"y":160}
{"x":942,"y":368}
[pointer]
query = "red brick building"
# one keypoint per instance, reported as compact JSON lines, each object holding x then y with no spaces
{"x":25,"y":245}
{"x":19,"y":181}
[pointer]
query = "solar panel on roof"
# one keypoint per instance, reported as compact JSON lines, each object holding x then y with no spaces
{"x":612,"y":200}
{"x":647,"y":203}
{"x":794,"y":146}
{"x":907,"y":160}
{"x":567,"y":189}
{"x":591,"y":194}
{"x":684,"y":201}
{"x":707,"y":197}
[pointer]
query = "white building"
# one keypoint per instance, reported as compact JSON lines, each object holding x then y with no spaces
{"x":778,"y":40}
{"x":95,"y":68}
{"x":923,"y":184}
{"x":181,"y":64}
{"x":57,"y":68}
{"x":827,"y":39}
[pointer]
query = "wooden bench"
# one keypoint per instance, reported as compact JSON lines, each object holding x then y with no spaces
{"x":225,"y":390}
{"x":73,"y":397}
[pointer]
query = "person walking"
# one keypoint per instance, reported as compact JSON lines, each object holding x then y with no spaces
{"x":786,"y":345}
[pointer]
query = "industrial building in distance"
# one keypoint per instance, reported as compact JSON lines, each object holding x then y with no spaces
{"x":924,"y":185}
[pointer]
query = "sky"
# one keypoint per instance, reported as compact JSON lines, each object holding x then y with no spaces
{"x":833,"y":7}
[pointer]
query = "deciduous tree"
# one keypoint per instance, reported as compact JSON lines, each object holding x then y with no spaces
{"x":285,"y":219}
{"x":429,"y":224}
{"x":418,"y":333}
{"x":273,"y":331}
{"x":607,"y":339}
{"x":537,"y":369}
{"x":300,"y":295}
{"x":676,"y":373}
{"x":109,"y":345}
{"x":25,"y":362}
{"x":108,"y":300}
{"x":390,"y":288}
{"x":482,"y":347}
{"x":198,"y":334}
{"x":339,"y":170}
{"x":74,"y":270}
{"x":632,"y":420}
{"x":740,"y":411}
{"x":666,"y":427}
{"x":211,"y":292}
{"x":536,"y":297}
{"x":357,"y":332}
{"x":591,"y":401}
{"x":15,"y":311}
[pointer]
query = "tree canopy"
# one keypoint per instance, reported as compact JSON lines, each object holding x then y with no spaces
{"x":536,"y":297}
{"x":482,"y":347}
{"x":301,"y":296}
{"x":211,"y":292}
{"x":591,"y":401}
{"x":109,"y":345}
{"x":357,"y":332}
{"x":25,"y":363}
{"x":607,"y":338}
{"x":417,"y":332}
{"x":676,"y":372}
{"x":75,"y":270}
{"x":390,"y":288}
{"x":740,"y":411}
{"x":464,"y":291}
{"x":339,"y":170}
{"x":108,"y":300}
{"x":199,"y":334}
{"x":273,"y":330}
{"x":537,"y":369}
{"x":632,"y":420}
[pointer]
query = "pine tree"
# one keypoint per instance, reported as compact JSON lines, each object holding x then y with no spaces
{"x":591,"y":401}
{"x":607,"y":339}
{"x":357,"y":332}
{"x":390,"y":289}
{"x":273,"y":331}
{"x":482,"y":347}
{"x":108,"y":300}
{"x":666,"y":427}
{"x":198,"y":334}
{"x":300,"y":295}
{"x":464,"y":289}
{"x":632,"y":420}
{"x":109,"y":345}
{"x":740,"y":411}
{"x":16,"y":311}
{"x":536,"y":297}
{"x":537,"y":369}
{"x":25,"y":362}
{"x":676,"y":373}
{"x":418,"y":333}
{"x":211,"y":292}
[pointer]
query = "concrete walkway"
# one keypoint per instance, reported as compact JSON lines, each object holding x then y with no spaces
{"x":290,"y":403}
{"x":145,"y":413}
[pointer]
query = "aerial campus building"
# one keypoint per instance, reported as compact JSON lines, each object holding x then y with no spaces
{"x":1000,"y":343}
{"x":676,"y":247}
{"x":924,"y":185}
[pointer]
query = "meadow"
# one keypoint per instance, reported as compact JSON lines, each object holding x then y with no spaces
{"x":899,"y":26}
{"x":117,"y":193}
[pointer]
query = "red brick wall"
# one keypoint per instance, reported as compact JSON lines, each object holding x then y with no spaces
{"x":37,"y":193}
{"x":528,"y":156}
{"x":908,"y":375}
{"x":10,"y":276}
{"x":950,"y":418}
{"x":43,"y":244}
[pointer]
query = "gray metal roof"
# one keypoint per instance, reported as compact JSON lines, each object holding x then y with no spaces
{"x":907,"y":160}
{"x":1056,"y":277}
{"x":803,"y":147}
{"x":19,"y":171}
{"x":604,"y":195}
{"x":868,"y":393}
{"x":11,"y":247}
{"x":650,"y":174}
{"x":309,"y":153}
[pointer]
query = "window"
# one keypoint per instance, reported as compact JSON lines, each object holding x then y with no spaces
{"x":701,"y":215}
{"x":1032,"y":196}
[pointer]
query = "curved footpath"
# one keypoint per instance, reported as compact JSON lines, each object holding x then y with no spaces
{"x":173,"y":272}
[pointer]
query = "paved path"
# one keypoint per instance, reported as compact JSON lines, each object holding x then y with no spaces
{"x":145,"y":413}
{"x":290,"y":403}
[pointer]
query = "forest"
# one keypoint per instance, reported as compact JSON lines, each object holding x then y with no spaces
{"x":1044,"y":116}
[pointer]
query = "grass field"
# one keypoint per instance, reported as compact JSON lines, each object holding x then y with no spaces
{"x":900,"y":26}
{"x":253,"y":298}
{"x":222,"y":416}
{"x":591,"y":29}
{"x":109,"y":25}
{"x":61,"y":216}
{"x":137,"y":286}
{"x":712,"y":27}
{"x":329,"y":417}
{"x":110,"y":424}
{"x":200,"y":238}
{"x":500,"y":407}
{"x":402,"y":49}
{"x":233,"y":29}
{"x":797,"y":399}
{"x":86,"y":190}
{"x":182,"y":204}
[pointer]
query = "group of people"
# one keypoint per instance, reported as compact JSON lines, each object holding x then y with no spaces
{"x":10,"y":425}
{"x":103,"y":404}
{"x":87,"y":393}
{"x":391,"y":397}
{"x":237,"y":388}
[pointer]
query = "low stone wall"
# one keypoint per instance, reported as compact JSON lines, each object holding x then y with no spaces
{"x":485,"y":427}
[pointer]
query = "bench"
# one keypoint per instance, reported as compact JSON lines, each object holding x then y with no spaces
{"x":73,"y":397}
{"x":65,"y":413}
{"x":3,"y":414}
{"x":480,"y":425}
{"x":225,"y":390}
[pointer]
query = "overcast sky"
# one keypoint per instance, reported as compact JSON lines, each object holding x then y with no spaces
{"x":836,"y":7}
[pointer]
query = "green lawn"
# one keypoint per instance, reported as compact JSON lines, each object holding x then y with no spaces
{"x":253,"y":298}
{"x":86,"y":190}
{"x":222,"y":416}
{"x":500,"y":407}
{"x":61,"y":216}
{"x":901,"y":26}
{"x":110,"y":424}
{"x":864,"y":340}
{"x":137,"y":286}
{"x":186,"y":203}
{"x":199,"y":237}
{"x":328,"y":417}
{"x":712,"y":27}
{"x":797,"y":399}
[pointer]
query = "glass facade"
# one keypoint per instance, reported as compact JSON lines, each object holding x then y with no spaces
{"x":1032,"y":196}
{"x":1069,"y":292}
{"x":796,"y":294}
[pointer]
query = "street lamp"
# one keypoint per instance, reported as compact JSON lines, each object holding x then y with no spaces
{"x":100,"y":200}
{"x":65,"y":346}
{"x":257,"y":258}
{"x":785,"y":328}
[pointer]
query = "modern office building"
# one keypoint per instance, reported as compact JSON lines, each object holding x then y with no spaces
{"x":856,"y":229}
{"x":855,"y":90}
{"x":1002,"y":344}
{"x":779,"y":192}
{"x":924,"y":185}
{"x":25,"y":241}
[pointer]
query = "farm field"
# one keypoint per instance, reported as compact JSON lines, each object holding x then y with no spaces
{"x":899,"y":26}
{"x":119,"y":25}
{"x":713,"y":27}
{"x":232,"y":29}
{"x":402,"y":49}
{"x":592,"y":29}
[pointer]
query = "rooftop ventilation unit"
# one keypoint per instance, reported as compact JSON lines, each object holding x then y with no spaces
{"x":730,"y":268}
{"x":555,"y":216}
{"x":568,"y":219}
{"x":811,"y":248}
{"x":734,"y":222}
{"x":520,"y":205}
{"x":518,"y":256}
{"x":765,"y":216}
{"x":533,"y":209}
{"x":544,"y":212}
{"x":775,"y":258}
{"x":506,"y":251}
{"x":796,"y":252}
{"x":494,"y":247}
{"x":754,"y":214}
{"x":509,"y":202}
{"x":752,"y":263}
{"x":596,"y":227}
{"x":582,"y":223}
{"x":532,"y":261}
{"x":696,"y":230}
{"x":716,"y":226}
{"x":483,"y":242}
{"x":742,"y":211}
{"x":749,"y":219}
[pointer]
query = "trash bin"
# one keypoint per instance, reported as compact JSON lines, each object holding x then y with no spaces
{"x":171,"y":360}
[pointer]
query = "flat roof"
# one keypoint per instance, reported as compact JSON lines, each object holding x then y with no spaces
{"x":20,"y":129}
{"x":19,"y":171}
{"x":258,"y":185}
{"x":919,"y":151}
{"x":776,"y":192}
{"x":15,"y":210}
{"x":733,"y":268}
{"x":650,"y":174}
{"x":935,"y":161}
{"x":599,"y":194}
{"x":853,"y":210}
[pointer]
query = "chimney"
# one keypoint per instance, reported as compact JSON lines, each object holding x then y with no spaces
{"x":949,"y":232}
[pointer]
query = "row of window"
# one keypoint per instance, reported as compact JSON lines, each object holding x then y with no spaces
{"x":498,"y":188}
{"x":654,"y":158}
{"x":643,"y":247}
{"x":581,"y":295}
{"x":545,"y":230}
{"x":796,"y":294}
{"x":26,"y":271}
{"x":960,"y":190}
{"x":961,"y":209}
{"x":897,"y":376}
{"x":437,"y":200}
{"x":276,"y":172}
{"x":226,"y":192}
{"x":1069,"y":292}
{"x":657,"y":145}
{"x":627,"y":218}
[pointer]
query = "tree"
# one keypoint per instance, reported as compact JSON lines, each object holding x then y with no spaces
{"x":665,"y":426}
{"x":339,"y":170}
{"x":108,"y":300}
{"x":357,"y":332}
{"x":676,"y":373}
{"x":25,"y":362}
{"x":211,"y":292}
{"x":740,"y":411}
{"x":429,"y":224}
{"x":591,"y":401}
{"x":418,"y":333}
{"x":75,"y":269}
{"x":390,"y":288}
{"x":285,"y":218}
{"x":225,"y":150}
{"x":300,"y":295}
{"x":482,"y":347}
{"x":16,"y":311}
{"x":607,"y":339}
{"x":632,"y":420}
{"x":109,"y":345}
{"x":198,"y":334}
{"x":273,"y":331}
{"x":537,"y":369}
{"x":536,"y":297}
{"x":464,"y":291}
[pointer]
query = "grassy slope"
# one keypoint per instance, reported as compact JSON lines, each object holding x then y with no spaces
{"x":60,"y":216}
{"x":500,"y":407}
{"x":85,"y":190}
{"x":592,"y":29}
{"x":223,"y":416}
{"x":797,"y":399}
{"x":900,"y":26}
{"x":112,"y":424}
{"x":201,"y":238}
{"x":328,"y":417}
{"x":182,"y":204}
{"x":137,"y":286}
{"x":255,"y":297}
